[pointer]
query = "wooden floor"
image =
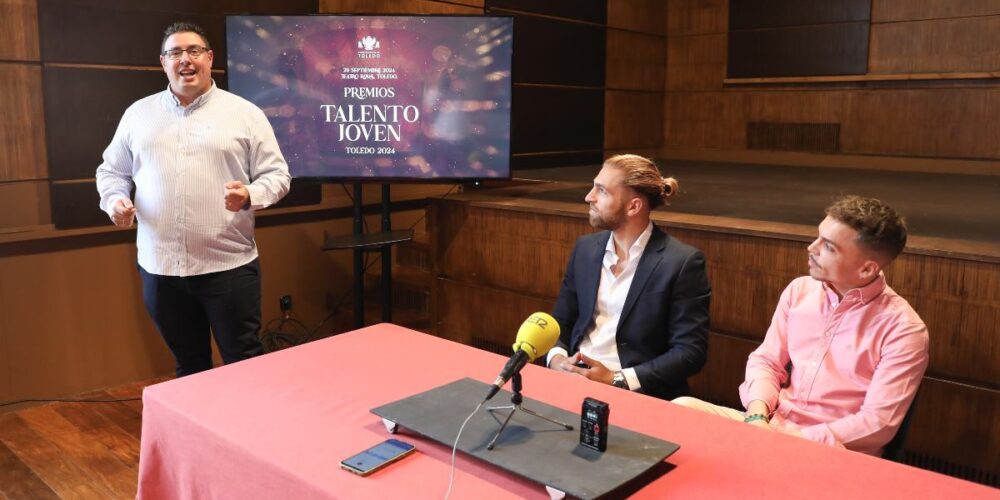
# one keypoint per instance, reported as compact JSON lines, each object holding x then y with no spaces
{"x":73,"y":450}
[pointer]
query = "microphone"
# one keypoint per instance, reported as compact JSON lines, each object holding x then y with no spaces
{"x":536,"y":336}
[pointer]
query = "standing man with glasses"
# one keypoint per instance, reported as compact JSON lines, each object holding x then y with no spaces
{"x":200,"y":161}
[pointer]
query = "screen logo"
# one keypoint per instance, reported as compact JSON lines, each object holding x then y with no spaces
{"x":368,"y":48}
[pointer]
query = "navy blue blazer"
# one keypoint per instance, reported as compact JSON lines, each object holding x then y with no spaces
{"x":663,"y":329}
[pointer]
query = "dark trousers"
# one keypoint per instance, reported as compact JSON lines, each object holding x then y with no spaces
{"x":188,"y":310}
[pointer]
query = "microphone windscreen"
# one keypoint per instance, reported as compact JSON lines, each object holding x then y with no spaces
{"x":537,"y":335}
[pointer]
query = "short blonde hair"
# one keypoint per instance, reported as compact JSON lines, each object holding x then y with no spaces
{"x":642,"y":175}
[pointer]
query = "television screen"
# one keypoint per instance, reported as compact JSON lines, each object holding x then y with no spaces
{"x":380,"y":97}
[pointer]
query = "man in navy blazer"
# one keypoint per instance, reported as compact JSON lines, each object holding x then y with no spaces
{"x":633,"y":308}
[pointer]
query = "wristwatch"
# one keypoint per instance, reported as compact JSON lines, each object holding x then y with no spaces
{"x":619,"y":381}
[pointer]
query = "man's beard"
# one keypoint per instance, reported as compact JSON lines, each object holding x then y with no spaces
{"x":610,"y":222}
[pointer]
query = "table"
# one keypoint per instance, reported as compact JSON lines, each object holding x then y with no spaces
{"x":278,"y":425}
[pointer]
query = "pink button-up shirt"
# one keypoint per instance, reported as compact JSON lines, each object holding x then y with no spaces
{"x":856,"y":364}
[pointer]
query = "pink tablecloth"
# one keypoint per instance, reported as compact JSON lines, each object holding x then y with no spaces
{"x":277,"y":426}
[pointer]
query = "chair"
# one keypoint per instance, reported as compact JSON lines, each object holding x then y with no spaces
{"x":894,"y":449}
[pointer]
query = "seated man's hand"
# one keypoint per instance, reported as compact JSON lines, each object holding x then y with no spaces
{"x":597,"y":372}
{"x":558,"y":362}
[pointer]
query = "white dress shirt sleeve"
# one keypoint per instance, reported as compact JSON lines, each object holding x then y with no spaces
{"x":269,"y":177}
{"x":114,"y":175}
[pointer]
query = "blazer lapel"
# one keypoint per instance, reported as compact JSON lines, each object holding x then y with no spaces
{"x":651,"y":257}
{"x":590,"y":278}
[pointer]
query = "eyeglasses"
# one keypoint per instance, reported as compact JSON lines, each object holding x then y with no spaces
{"x":194,"y":52}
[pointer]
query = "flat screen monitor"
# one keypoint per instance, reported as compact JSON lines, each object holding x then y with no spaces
{"x":358,"y":97}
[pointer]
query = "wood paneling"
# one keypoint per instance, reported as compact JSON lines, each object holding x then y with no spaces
{"x":911,"y":10}
{"x":22,"y":126}
{"x":692,"y":17}
{"x":724,"y":370}
{"x":798,"y":107}
{"x":130,"y":33}
{"x":949,"y":123}
{"x":754,"y":14}
{"x":958,"y":300}
{"x":633,"y":119}
{"x":647,"y":16}
{"x":557,"y":119}
{"x":957,"y":423}
{"x":635,"y":61}
{"x":591,"y":11}
{"x":747,"y":271}
{"x":64,"y":25}
{"x":824,"y":137}
{"x":940,"y":45}
{"x":100,"y":96}
{"x":469,"y":314}
{"x":956,"y":123}
{"x":556,"y":159}
{"x":825,"y":49}
{"x":554,"y":52}
{"x":712,"y":120}
{"x":696,"y":62}
{"x":921,"y":119}
{"x":19,"y":30}
{"x":475,"y":246}
{"x":25,"y":204}
{"x":401,"y":7}
{"x":75,"y":205}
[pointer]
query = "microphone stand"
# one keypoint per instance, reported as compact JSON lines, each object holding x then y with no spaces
{"x":515,"y":400}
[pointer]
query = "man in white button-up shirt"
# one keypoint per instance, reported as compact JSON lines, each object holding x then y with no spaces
{"x":633,"y":308}
{"x":200,"y":161}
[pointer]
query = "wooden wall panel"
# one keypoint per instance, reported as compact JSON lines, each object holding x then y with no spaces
{"x":692,"y":17}
{"x":724,"y":370}
{"x":75,"y":204}
{"x":633,"y":120}
{"x":753,"y":14}
{"x":955,"y":123}
{"x":72,"y":317}
{"x":19,"y":30}
{"x":940,"y":123}
{"x":22,"y":124}
{"x":74,"y":152}
{"x":74,"y":321}
{"x":635,"y":61}
{"x":401,"y":7}
{"x":24,"y":204}
{"x":825,"y":49}
{"x":475,"y":247}
{"x":957,"y":423}
{"x":747,"y":271}
{"x":957,"y":299}
{"x":939,"y":45}
{"x":696,"y":62}
{"x":140,"y":24}
{"x":708,"y":120}
{"x":549,"y":51}
{"x":590,"y":11}
{"x":913,"y":10}
{"x":64,"y":24}
{"x":473,"y":315}
{"x":549,"y":118}
{"x":647,"y":16}
{"x":798,"y":107}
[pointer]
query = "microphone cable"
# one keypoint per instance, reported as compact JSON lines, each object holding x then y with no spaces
{"x":451,"y":478}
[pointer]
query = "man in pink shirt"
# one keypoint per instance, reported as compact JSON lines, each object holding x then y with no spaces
{"x":857,"y":350}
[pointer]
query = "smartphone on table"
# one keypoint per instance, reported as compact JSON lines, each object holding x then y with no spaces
{"x":377,"y":457}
